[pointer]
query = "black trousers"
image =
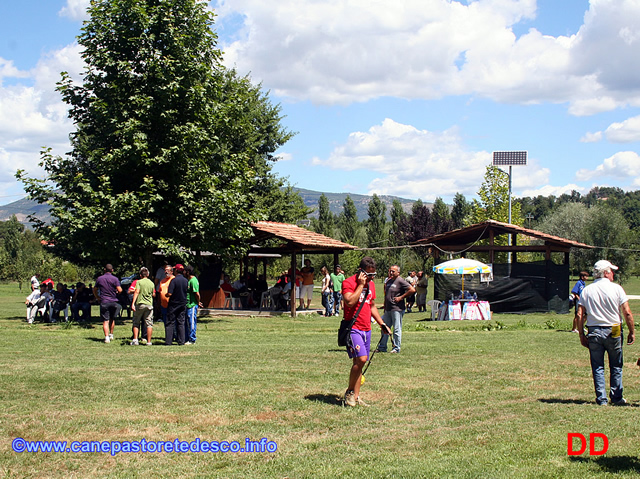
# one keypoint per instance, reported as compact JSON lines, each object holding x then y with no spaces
{"x":176,"y":315}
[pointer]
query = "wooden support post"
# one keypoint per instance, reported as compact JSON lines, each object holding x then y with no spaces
{"x":292,"y":294}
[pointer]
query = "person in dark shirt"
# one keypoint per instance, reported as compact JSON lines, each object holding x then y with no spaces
{"x":106,"y":291}
{"x":176,"y":312}
{"x":81,"y":302}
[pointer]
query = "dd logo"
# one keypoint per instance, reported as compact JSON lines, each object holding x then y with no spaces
{"x":583,"y":444}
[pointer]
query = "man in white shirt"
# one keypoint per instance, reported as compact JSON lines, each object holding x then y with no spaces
{"x":600,"y":305}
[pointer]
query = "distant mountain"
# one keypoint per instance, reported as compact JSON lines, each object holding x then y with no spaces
{"x":24,"y":207}
{"x":336,"y":200}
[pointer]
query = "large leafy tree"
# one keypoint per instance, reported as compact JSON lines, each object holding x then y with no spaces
{"x":420,"y":222}
{"x":441,"y":217}
{"x":461,"y":210}
{"x":399,"y":224}
{"x":348,"y":221}
{"x":325,"y":224}
{"x":377,"y":233}
{"x":493,"y":203}
{"x":171,"y":150}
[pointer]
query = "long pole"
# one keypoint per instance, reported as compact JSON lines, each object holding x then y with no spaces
{"x":509,"y":236}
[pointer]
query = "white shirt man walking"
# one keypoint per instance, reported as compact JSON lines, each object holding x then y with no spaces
{"x":600,"y":304}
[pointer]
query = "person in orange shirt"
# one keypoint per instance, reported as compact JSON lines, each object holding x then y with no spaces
{"x":307,"y":284}
{"x":163,"y":288}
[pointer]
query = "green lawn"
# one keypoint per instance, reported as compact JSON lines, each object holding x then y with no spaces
{"x":458,"y":402}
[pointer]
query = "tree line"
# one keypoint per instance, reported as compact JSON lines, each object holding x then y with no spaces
{"x":607,"y":218}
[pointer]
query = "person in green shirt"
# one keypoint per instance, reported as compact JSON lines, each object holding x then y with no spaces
{"x":142,"y":305}
{"x":337,"y":278}
{"x":193,"y":303}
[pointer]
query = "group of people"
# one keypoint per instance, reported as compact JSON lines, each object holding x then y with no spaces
{"x":601,"y":306}
{"x":332,"y":290}
{"x":49,"y":301}
{"x":248,"y":288}
{"x":175,"y":293}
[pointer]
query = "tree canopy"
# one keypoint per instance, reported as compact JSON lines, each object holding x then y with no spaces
{"x":171,"y":150}
{"x":493,"y":203}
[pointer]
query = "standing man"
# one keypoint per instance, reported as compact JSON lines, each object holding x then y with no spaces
{"x":358,"y":289}
{"x":412,"y":279}
{"x":396,"y":290}
{"x":602,"y":302}
{"x":575,"y":296}
{"x":106,"y":291}
{"x":35,"y":284}
{"x":162,"y":289}
{"x":337,"y":278}
{"x":193,"y":303}
{"x":176,"y":311}
{"x":306,"y":292}
{"x":421,"y":291}
{"x":142,"y":305}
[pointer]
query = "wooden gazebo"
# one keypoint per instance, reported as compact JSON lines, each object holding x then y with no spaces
{"x":547,"y":287}
{"x":293,"y":240}
{"x":466,"y":239}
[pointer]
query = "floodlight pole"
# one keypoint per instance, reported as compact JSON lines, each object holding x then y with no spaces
{"x":510,"y":202}
{"x":509,"y":158}
{"x":509,"y":236}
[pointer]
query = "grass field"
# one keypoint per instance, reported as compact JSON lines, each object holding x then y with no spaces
{"x":463,"y":400}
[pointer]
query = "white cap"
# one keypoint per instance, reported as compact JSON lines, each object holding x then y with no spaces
{"x":604,"y":265}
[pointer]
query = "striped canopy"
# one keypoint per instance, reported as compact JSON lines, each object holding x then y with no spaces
{"x":462,"y":266}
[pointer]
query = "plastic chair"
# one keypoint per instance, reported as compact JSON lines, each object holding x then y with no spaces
{"x":434,"y":304}
{"x":230,"y":302}
{"x":265,"y":300}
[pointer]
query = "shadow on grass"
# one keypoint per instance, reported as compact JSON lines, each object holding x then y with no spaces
{"x":331,"y":399}
{"x":207,"y":320}
{"x":565,"y":401}
{"x":577,"y":401}
{"x":612,"y":464}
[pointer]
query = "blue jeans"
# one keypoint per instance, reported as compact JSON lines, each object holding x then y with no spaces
{"x":600,"y":340}
{"x":327,"y":300}
{"x":85,"y":308}
{"x":392,"y":319}
{"x":337,"y":297}
{"x":190,"y":326}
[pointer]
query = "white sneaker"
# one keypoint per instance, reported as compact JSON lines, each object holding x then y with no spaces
{"x":349,"y":399}
{"x":149,"y":343}
{"x":134,"y":342}
{"x":107,"y":339}
{"x":111,"y":337}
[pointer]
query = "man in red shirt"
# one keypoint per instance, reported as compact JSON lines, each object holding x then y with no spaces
{"x":355,"y":290}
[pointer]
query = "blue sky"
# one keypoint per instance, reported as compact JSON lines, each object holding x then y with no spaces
{"x":402,"y":97}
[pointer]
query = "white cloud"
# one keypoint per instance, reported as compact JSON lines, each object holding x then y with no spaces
{"x":9,"y":70}
{"x":285,"y":156}
{"x":591,"y":137}
{"x":548,"y":190}
{"x":75,"y":9}
{"x":624,"y":132}
{"x":33,"y":115}
{"x":420,"y":164}
{"x":343,"y":51}
{"x":622,"y":165}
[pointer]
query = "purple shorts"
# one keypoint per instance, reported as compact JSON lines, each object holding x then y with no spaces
{"x":361,"y":343}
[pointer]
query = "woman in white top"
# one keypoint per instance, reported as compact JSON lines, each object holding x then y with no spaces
{"x":327,"y":292}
